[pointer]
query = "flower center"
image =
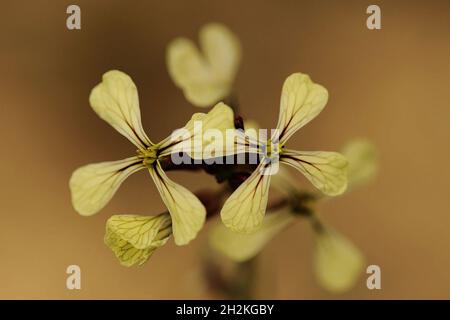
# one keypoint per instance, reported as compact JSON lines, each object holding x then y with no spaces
{"x":273,"y":149}
{"x":149,"y":155}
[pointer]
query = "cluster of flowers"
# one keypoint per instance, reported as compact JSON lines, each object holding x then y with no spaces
{"x":206,"y":78}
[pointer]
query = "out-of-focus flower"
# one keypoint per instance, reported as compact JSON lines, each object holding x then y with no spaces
{"x":301,"y":101}
{"x":362,"y":158}
{"x":205,"y":77}
{"x":116,"y":101}
{"x":134,"y":238}
{"x":337,"y":262}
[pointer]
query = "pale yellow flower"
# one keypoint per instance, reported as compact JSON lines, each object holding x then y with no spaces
{"x":134,"y":238}
{"x":116,"y":101}
{"x":205,"y":76}
{"x":301,"y":101}
{"x":362,"y":161}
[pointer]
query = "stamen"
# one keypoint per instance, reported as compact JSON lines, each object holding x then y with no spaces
{"x":149,"y":155}
{"x":273,"y":150}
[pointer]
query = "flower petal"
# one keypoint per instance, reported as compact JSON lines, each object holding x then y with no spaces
{"x":198,"y":137}
{"x":250,"y":140}
{"x":222,"y":50}
{"x":187,"y":212}
{"x":185,"y":63}
{"x":116,"y":101}
{"x":338,"y":263}
{"x":140,"y":231}
{"x":362,"y":161}
{"x":133,"y":239}
{"x":301,"y":101}
{"x":93,"y":185}
{"x":244,"y":210}
{"x":205,"y":95}
{"x":327,"y":171}
{"x":247,"y":141}
{"x":242,"y":247}
{"x":206,"y":79}
{"x":125,"y":252}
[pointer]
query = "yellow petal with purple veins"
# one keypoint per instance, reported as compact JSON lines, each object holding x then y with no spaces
{"x":187,"y":212}
{"x":301,"y":101}
{"x":93,"y":185}
{"x":134,"y":238}
{"x":244,"y":210}
{"x":116,"y":101}
{"x":327,"y":171}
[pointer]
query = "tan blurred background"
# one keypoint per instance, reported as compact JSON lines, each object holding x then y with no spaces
{"x":391,"y":86}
